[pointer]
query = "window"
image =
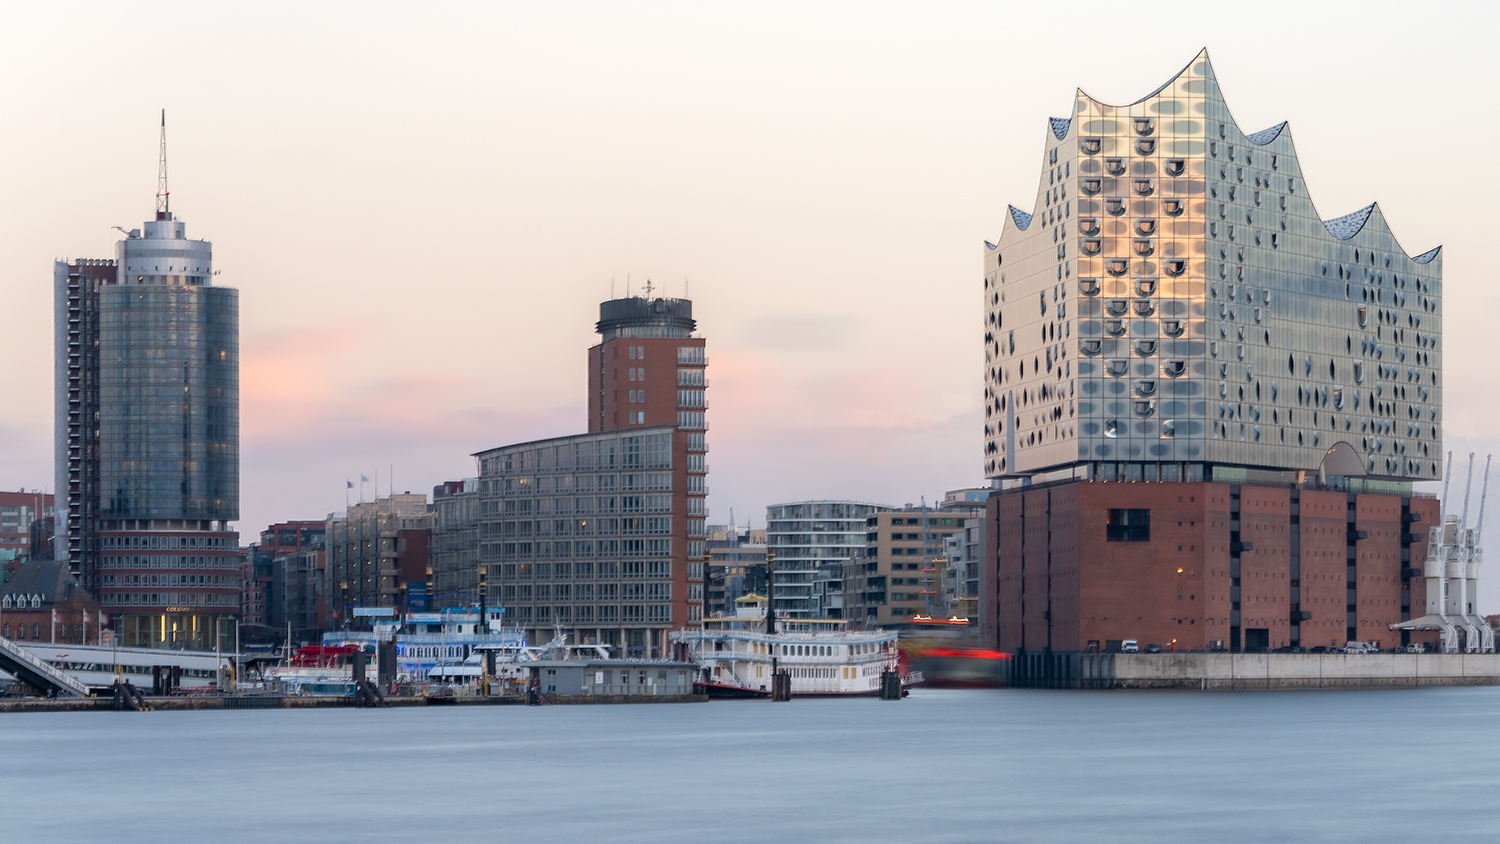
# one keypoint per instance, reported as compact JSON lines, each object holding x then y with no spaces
{"x":1128,"y":526}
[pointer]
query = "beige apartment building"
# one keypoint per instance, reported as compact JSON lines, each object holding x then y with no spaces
{"x":902,"y":572}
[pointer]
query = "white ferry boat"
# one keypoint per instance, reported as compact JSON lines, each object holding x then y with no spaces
{"x":428,"y":641}
{"x":737,"y":654}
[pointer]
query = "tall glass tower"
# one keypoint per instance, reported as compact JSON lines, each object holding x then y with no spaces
{"x":148,"y":433}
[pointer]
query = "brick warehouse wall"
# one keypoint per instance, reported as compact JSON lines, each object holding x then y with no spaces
{"x":1231,"y":564}
{"x":1133,"y":590}
{"x":1322,"y":587}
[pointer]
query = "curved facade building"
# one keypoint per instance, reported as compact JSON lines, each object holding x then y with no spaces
{"x":150,"y":452}
{"x":1206,"y":401}
{"x":1175,"y":307}
{"x":168,"y":383}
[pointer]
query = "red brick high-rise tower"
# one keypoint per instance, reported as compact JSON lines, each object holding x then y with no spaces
{"x":648,"y":369}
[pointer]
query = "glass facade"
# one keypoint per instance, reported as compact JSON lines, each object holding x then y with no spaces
{"x":169,"y":402}
{"x":148,"y":434}
{"x":1175,"y":304}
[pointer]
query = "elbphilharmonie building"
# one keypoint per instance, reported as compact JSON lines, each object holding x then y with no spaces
{"x":1174,"y":306}
{"x":1206,"y":400}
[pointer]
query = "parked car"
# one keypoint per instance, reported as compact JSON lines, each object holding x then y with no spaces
{"x":1130,"y":646}
{"x":1360,"y":648}
{"x":1153,"y":648}
{"x":1290,"y":649}
{"x":1321,"y":649}
{"x":1415,"y":648}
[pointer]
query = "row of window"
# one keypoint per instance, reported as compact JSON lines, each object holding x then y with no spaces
{"x":605,"y":614}
{"x":228,"y":542}
{"x":583,"y":571}
{"x":587,"y":592}
{"x":603,"y":452}
{"x":171,"y":580}
{"x":154,"y":561}
{"x":576,"y":548}
{"x":17,"y":632}
{"x":156,"y":599}
{"x":543,"y":484}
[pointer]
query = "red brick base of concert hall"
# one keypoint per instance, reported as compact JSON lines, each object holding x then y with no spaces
{"x":1077,"y":565}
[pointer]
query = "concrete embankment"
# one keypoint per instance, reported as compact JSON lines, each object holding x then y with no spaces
{"x":106,"y":703}
{"x":1227,"y":671}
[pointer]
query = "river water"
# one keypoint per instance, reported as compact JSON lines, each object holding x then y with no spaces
{"x":1018,"y":765}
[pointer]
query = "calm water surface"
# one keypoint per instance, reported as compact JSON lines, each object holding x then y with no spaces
{"x":1025,"y":766}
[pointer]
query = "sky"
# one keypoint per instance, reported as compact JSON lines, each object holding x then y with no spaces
{"x":422,"y":206}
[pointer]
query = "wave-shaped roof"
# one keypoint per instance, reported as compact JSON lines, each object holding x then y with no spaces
{"x":1342,"y":228}
{"x":1265,"y":136}
{"x":1349,"y":225}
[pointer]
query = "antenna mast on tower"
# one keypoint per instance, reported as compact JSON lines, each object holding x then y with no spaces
{"x":163,"y":196}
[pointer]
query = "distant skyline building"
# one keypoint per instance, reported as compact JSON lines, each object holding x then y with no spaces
{"x":147,"y":432}
{"x":905,"y":561}
{"x":453,"y":582}
{"x":806,"y":536}
{"x":374,"y":550}
{"x":18,"y":511}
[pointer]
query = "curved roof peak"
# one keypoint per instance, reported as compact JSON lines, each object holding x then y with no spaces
{"x":1207,"y":72}
{"x":1349,"y":225}
{"x":1021,"y":218}
{"x":1060,"y":126}
{"x":1426,"y":257}
{"x":1265,"y":136}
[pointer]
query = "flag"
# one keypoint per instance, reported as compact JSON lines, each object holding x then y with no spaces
{"x":85,"y":618}
{"x":349,"y":484}
{"x":55,"y":618}
{"x":363,"y":479}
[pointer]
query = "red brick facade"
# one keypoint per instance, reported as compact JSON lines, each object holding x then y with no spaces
{"x":1248,"y":566}
{"x":633,"y":382}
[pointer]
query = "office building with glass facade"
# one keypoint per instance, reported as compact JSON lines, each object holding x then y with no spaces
{"x":147,"y":448}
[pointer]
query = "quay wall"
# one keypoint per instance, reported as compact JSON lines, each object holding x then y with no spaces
{"x":1303,"y":671}
{"x":106,"y":703}
{"x":1234,"y":671}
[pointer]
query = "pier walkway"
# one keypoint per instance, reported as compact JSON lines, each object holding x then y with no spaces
{"x":38,"y":673}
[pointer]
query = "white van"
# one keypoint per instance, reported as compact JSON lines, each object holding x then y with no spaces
{"x":1130,"y":646}
{"x":1359,"y":648}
